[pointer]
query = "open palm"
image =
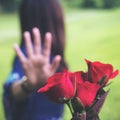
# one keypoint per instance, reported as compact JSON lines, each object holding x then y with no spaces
{"x":36,"y":65}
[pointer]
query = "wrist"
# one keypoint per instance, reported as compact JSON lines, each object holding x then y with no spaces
{"x":25,"y":86}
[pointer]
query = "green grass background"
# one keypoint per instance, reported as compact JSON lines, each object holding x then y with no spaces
{"x":90,"y":34}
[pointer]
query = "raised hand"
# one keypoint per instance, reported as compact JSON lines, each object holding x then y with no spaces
{"x":36,"y":65}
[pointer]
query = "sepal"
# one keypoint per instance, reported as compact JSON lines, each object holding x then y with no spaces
{"x":79,"y":116}
{"x":77,"y":105}
{"x":100,"y":101}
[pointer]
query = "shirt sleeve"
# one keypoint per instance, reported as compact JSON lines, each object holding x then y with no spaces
{"x":8,"y":100}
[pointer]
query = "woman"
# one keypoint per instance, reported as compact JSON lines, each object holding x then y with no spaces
{"x":40,"y":55}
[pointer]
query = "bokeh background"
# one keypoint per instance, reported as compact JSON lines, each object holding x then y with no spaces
{"x":92,"y":32}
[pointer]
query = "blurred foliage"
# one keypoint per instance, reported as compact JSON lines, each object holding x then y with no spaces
{"x":103,"y":4}
{"x":9,"y":5}
{"x":111,"y":3}
{"x":12,"y":5}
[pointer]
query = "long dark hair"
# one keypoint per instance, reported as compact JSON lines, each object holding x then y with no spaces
{"x":47,"y":15}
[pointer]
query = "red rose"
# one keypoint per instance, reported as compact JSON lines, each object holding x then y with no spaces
{"x":79,"y":76}
{"x":59,"y":86}
{"x":98,"y":70}
{"x":86,"y":92}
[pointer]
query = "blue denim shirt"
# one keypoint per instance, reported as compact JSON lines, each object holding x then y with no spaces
{"x":35,"y":107}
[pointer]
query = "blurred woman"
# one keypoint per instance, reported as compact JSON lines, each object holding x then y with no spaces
{"x":40,"y":55}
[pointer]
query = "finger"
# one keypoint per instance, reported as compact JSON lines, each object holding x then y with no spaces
{"x":47,"y":45}
{"x":55,"y":64}
{"x":28,"y":44}
{"x":37,"y":40}
{"x":19,"y":53}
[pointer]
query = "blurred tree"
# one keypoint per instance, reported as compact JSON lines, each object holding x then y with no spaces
{"x":111,"y":3}
{"x":99,"y":3}
{"x":9,"y":5}
{"x":88,"y":4}
{"x":117,"y":3}
{"x":92,"y":3}
{"x":72,"y":3}
{"x":108,"y":3}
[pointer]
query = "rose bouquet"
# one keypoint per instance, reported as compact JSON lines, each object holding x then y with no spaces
{"x":83,"y":92}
